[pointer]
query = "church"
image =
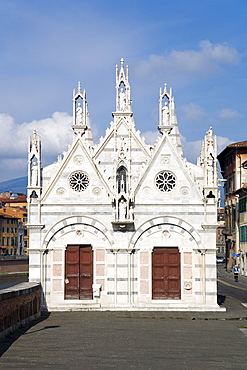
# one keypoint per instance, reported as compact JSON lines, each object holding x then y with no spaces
{"x":122,"y":225}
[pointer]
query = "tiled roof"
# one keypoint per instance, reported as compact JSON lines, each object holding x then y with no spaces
{"x":228,"y":148}
{"x":239,"y":144}
{"x":3,"y":215}
{"x":21,"y":198}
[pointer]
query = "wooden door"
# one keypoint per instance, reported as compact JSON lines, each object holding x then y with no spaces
{"x":78,"y":272}
{"x":86,"y":272}
{"x":166,"y":273}
{"x":72,"y":272}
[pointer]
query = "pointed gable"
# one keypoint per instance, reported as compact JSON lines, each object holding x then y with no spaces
{"x":167,"y":176}
{"x":74,"y":176}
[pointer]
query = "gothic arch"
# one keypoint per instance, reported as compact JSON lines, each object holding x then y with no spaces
{"x":122,"y":174}
{"x":174,"y":223}
{"x":59,"y":228}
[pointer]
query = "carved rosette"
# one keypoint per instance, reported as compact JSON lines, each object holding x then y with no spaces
{"x":184,"y":191}
{"x":78,"y":159}
{"x":96,"y":191}
{"x":60,"y":191}
{"x":146,"y":191}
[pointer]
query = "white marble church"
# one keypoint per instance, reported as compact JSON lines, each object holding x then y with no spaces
{"x":122,"y":225}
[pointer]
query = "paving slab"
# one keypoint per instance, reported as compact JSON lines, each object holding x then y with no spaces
{"x":131,"y":340}
{"x":124,"y":340}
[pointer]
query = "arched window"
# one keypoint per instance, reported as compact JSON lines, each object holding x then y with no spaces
{"x":122,"y":180}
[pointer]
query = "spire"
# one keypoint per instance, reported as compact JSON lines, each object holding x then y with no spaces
{"x":123,"y":102}
{"x":81,"y":123}
{"x":79,"y":87}
{"x":166,"y":106}
{"x":167,"y":116}
{"x":208,"y":160}
{"x":34,"y":165}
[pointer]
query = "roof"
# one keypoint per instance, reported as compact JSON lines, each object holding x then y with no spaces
{"x":238,"y":144}
{"x":19,"y":199}
{"x":13,"y":211}
{"x":228,"y":148}
{"x":8,"y":216}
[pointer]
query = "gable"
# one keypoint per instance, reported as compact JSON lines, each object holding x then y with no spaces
{"x":167,"y":177}
{"x":122,"y":145}
{"x":75,"y":179}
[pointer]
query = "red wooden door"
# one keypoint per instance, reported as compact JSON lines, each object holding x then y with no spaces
{"x":72,"y":272}
{"x":78,"y":272}
{"x":166,"y":273}
{"x":86,"y":272}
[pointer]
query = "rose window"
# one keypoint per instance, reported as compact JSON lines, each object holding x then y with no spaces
{"x":78,"y":181}
{"x":165,"y":181}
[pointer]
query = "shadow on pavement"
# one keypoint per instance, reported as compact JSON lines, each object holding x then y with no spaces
{"x":11,"y":338}
{"x":221,"y":299}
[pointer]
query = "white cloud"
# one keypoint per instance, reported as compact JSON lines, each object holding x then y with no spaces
{"x":222,"y":142}
{"x":55,"y":134}
{"x":193,"y":112}
{"x":12,"y":168}
{"x":205,"y":61}
{"x":191,"y":149}
{"x":229,"y":114}
{"x":150,"y":137}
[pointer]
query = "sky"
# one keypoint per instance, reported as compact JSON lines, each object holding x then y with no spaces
{"x":199,"y":48}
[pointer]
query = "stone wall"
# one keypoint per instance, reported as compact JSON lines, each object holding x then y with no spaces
{"x":14,"y":264}
{"x":18,"y":306}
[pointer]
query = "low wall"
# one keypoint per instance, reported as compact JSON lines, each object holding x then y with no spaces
{"x":18,"y":306}
{"x":14,"y":264}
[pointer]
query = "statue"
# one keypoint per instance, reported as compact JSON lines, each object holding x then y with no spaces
{"x":122,"y":100}
{"x":210,"y":161}
{"x":210,"y":142}
{"x":34,"y":177}
{"x":122,"y":209}
{"x":210,"y":170}
{"x":165,"y":114}
{"x":131,"y":213}
{"x":34,"y":146}
{"x":79,"y":114}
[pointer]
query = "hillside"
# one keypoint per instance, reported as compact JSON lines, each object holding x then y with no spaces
{"x":16,"y":185}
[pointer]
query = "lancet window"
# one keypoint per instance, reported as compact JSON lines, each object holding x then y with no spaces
{"x":122,"y":179}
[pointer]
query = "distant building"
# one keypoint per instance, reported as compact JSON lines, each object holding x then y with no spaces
{"x":233,"y":163}
{"x":123,"y":224}
{"x":15,"y":205}
{"x":242,"y":224}
{"x":9,"y":198}
{"x":8,"y":235}
{"x":220,"y":236}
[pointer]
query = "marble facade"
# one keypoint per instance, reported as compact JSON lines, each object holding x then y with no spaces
{"x":141,"y":211}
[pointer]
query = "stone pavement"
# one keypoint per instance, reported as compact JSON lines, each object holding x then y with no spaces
{"x":133,"y":340}
{"x":228,"y":276}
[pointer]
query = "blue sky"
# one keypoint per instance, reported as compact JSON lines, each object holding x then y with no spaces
{"x":196,"y":47}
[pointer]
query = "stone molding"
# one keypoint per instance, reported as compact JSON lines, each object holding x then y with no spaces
{"x":58,"y":228}
{"x":166,"y":220}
